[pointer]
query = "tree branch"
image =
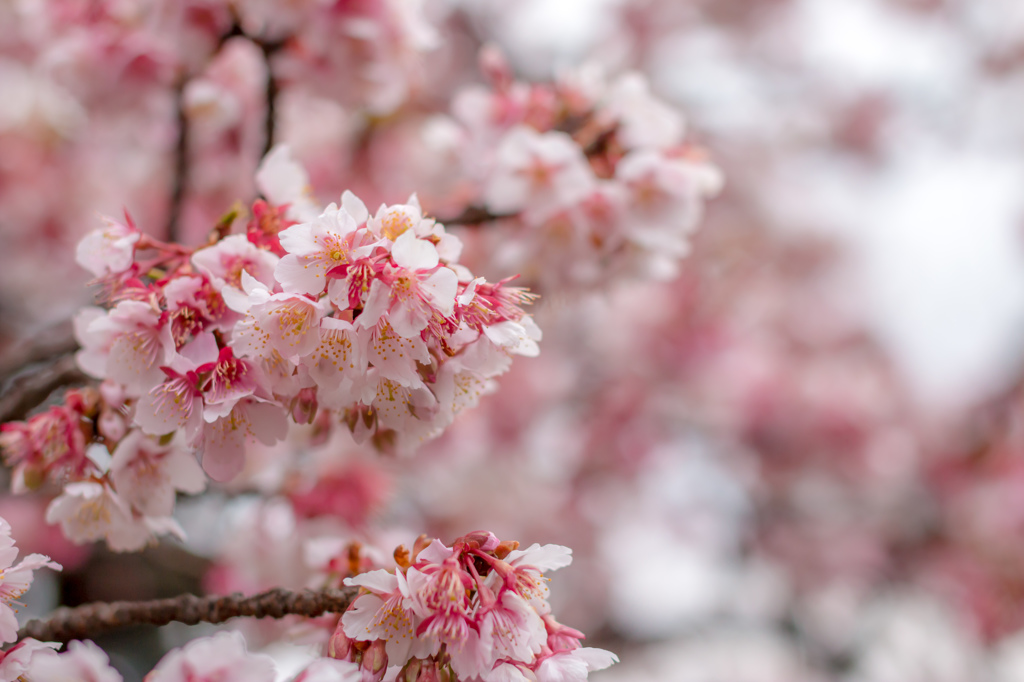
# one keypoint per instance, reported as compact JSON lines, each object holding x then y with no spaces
{"x":89,"y":620}
{"x":270,"y":93}
{"x":474,"y":215}
{"x":43,"y":346}
{"x":28,"y":391}
{"x":178,"y":185}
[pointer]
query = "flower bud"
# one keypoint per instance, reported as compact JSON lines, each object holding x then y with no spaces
{"x":304,"y":407}
{"x":410,"y":672}
{"x":483,"y":540}
{"x":111,"y":426}
{"x":339,"y":645}
{"x":375,"y":661}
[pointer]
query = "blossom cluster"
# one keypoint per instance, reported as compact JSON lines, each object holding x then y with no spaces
{"x":593,"y":179}
{"x":332,"y":317}
{"x":475,"y":610}
{"x":81,"y":73}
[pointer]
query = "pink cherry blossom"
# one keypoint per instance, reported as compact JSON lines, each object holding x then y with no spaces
{"x":440,"y":599}
{"x":383,"y":614}
{"x":330,"y":670}
{"x":23,"y":656}
{"x":393,"y":356}
{"x":573,"y":666}
{"x":128,"y":345}
{"x":147,"y":475}
{"x":285,"y":183}
{"x":225,"y":439}
{"x":641,"y":120}
{"x":89,"y":511}
{"x":228,"y":380}
{"x":338,"y":364}
{"x":225,"y":261}
{"x":315,"y":248}
{"x":290,"y":321}
{"x":15,"y":580}
{"x":81,"y":661}
{"x":537,"y":173}
{"x":176,"y":403}
{"x":414,"y":292}
{"x":108,"y":250}
{"x":220,"y":658}
{"x":510,"y":628}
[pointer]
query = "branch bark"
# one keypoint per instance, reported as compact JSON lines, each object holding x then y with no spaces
{"x":473,"y":215}
{"x":28,"y":391}
{"x":91,"y":619}
{"x":44,"y":346}
{"x":270,"y":93}
{"x":180,"y":182}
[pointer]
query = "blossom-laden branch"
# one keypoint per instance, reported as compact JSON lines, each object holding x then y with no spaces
{"x":91,"y":619}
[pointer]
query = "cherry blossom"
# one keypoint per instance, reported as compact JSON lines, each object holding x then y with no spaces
{"x":81,"y":661}
{"x":538,"y":174}
{"x":220,"y":658}
{"x":15,"y":580}
{"x":89,"y":511}
{"x":110,"y":250}
{"x":23,"y":656}
{"x":316,"y":248}
{"x":487,"y":617}
{"x":149,"y":474}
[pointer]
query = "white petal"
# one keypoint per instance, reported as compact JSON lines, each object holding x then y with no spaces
{"x":413,"y":253}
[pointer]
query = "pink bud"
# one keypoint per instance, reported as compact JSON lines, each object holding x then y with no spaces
{"x":495,"y":67}
{"x":304,"y":407}
{"x":410,"y":672}
{"x":113,"y":393}
{"x":111,"y":425}
{"x":375,"y":661}
{"x":339,"y":646}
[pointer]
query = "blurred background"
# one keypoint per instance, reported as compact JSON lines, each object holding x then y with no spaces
{"x":799,"y":459}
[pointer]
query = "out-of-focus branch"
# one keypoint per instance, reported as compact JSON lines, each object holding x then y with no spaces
{"x":180,"y":182}
{"x":89,"y":620}
{"x":31,"y":389}
{"x":270,"y":93}
{"x":473,"y":215}
{"x":46,"y":345}
{"x":181,"y":161}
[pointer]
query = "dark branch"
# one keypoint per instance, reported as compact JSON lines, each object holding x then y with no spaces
{"x":44,"y":346}
{"x":87,"y":621}
{"x":473,"y":215}
{"x":270,"y":93}
{"x":31,"y":389}
{"x":180,"y":181}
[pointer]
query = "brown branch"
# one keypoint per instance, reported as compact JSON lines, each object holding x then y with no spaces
{"x":268,"y":48}
{"x":474,"y":215}
{"x":180,"y":182}
{"x":44,"y":346}
{"x":91,"y":619}
{"x":29,"y":390}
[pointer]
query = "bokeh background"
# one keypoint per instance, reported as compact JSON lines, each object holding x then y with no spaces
{"x":800,"y":459}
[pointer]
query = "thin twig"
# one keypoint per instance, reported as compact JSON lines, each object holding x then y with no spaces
{"x":31,"y":389}
{"x":89,"y":620}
